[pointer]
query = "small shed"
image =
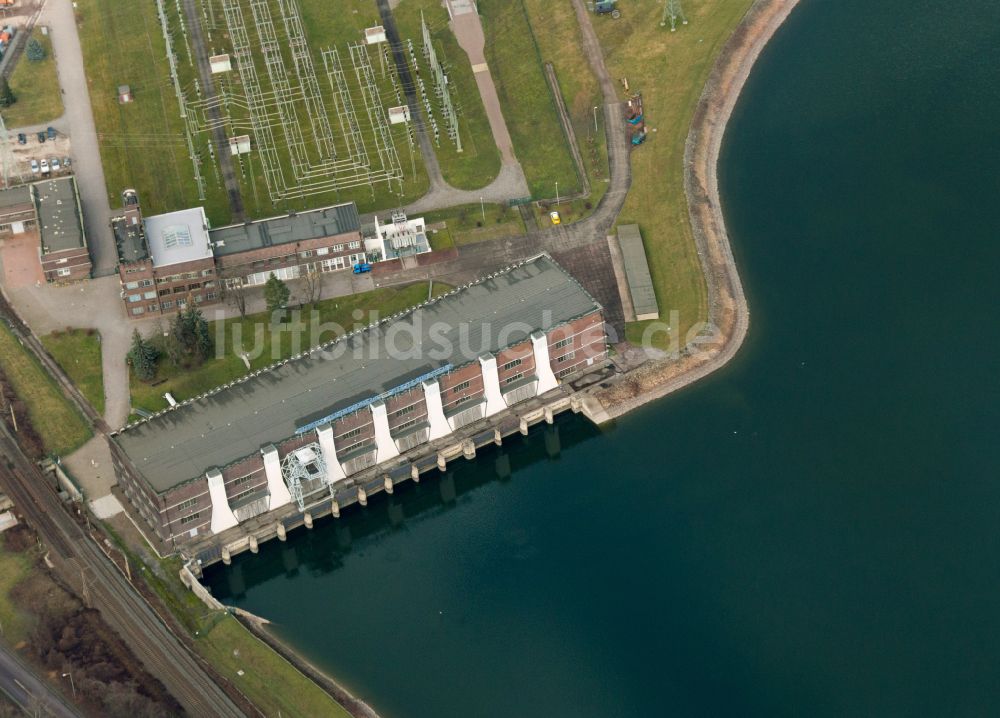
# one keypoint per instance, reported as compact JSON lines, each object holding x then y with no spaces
{"x":399,"y":115}
{"x":220,"y":64}
{"x":239,"y":145}
{"x":374,"y":35}
{"x":640,"y":283}
{"x":125,"y":94}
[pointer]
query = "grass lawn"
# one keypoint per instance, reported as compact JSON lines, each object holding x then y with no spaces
{"x":465,"y":224}
{"x":56,"y":420}
{"x":272,"y":683}
{"x":479,"y":162}
{"x":142,"y":142}
{"x":528,"y":107}
{"x":559,"y":42}
{"x":267,"y":348}
{"x":670,"y":69}
{"x":15,"y":623}
{"x":36,"y":88}
{"x":78,"y":352}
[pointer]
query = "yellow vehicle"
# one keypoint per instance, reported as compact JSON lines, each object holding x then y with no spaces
{"x":554,"y":216}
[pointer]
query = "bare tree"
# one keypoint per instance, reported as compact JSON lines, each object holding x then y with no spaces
{"x":312,"y":282}
{"x":234,"y":291}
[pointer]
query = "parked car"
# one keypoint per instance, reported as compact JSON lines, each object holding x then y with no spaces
{"x":362,"y":267}
{"x":67,"y":162}
{"x":54,"y":163}
{"x":554,"y":216}
{"x":34,"y":167}
{"x":22,"y":139}
{"x":45,"y":167}
{"x":52,"y":133}
{"x":41,"y":137}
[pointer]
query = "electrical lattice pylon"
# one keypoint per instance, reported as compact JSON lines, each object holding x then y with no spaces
{"x":10,"y":166}
{"x":672,"y":9}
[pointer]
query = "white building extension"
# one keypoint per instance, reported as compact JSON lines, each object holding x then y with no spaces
{"x":401,"y":237}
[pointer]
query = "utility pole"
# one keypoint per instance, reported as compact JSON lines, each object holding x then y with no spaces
{"x":71,"y":684}
{"x":672,"y":9}
{"x":557,"y":192}
{"x":482,"y":208}
{"x":595,"y":119}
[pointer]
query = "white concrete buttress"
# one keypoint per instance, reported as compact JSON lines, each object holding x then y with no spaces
{"x":435,"y":410}
{"x":543,"y":367}
{"x":491,"y":385}
{"x":334,"y":471}
{"x":222,"y":516}
{"x":280,"y":495}
{"x":383,"y":438}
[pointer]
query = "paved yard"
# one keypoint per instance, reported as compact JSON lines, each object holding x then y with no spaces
{"x":19,"y":255}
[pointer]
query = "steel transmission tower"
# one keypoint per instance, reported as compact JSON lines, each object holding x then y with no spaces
{"x":672,"y":9}
{"x":11,"y":169}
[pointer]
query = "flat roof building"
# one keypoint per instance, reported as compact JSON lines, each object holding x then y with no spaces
{"x":64,"y":253}
{"x":640,"y":283}
{"x":178,"y":237}
{"x":287,"y":229}
{"x":293,"y":430}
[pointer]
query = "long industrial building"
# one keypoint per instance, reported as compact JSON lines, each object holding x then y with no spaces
{"x":290,"y":433}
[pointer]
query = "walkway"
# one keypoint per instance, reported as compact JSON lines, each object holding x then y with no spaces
{"x":79,"y":120}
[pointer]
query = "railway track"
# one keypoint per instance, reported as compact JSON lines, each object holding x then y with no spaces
{"x":81,"y":561}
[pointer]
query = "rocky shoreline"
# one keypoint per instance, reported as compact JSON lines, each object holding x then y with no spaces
{"x":728,"y":310}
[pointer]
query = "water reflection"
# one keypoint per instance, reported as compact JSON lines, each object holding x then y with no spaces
{"x":324,"y":548}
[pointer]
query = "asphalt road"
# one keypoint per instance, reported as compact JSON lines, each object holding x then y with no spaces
{"x":34,"y":696}
{"x":81,"y":563}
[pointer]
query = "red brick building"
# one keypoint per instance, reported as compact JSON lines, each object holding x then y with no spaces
{"x":289,"y":434}
{"x":168,"y":260}
{"x":164,"y":262}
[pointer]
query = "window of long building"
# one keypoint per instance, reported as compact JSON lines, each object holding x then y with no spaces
{"x":461,"y":387}
{"x":190,"y":518}
{"x":511,"y":364}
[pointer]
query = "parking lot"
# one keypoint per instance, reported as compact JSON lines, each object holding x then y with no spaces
{"x":51,"y":149}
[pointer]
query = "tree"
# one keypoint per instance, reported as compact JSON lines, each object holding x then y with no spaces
{"x":234,"y":292}
{"x":35,"y":52}
{"x":275,"y":293}
{"x":312,"y":280}
{"x":142,"y":357}
{"x":7,"y":97}
{"x":190,"y":338}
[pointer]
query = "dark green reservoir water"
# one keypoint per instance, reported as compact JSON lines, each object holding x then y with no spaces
{"x":813,"y":531}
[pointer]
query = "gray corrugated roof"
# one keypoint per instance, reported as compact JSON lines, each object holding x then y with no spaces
{"x":283,"y":230}
{"x":216,"y":430}
{"x":58,"y":214}
{"x":640,"y":283}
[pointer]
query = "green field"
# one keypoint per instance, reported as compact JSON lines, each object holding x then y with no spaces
{"x":479,"y":162}
{"x":16,"y":624}
{"x":36,"y":87}
{"x":185,"y":383}
{"x":142,"y":142}
{"x":273,"y":684}
{"x":58,"y":423}
{"x":78,"y":352}
{"x":528,"y":106}
{"x":670,"y":69}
